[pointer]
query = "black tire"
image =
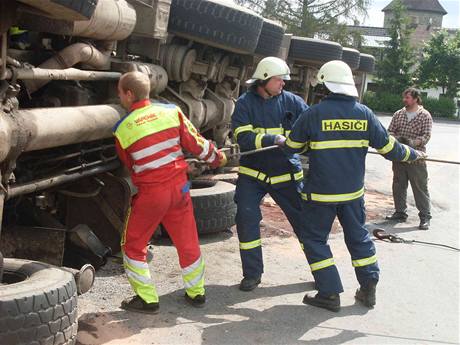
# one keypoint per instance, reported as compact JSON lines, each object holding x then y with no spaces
{"x":351,"y":57}
{"x":221,"y":25}
{"x":313,"y":50}
{"x":270,"y":39}
{"x":213,"y":205}
{"x":38,"y":304}
{"x":71,"y":9}
{"x":366,"y":63}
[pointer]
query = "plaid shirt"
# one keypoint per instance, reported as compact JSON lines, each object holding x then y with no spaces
{"x":418,"y":128}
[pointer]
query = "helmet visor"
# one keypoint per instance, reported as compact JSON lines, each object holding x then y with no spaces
{"x":344,"y":89}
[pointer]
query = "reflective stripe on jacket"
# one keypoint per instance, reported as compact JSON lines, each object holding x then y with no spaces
{"x":337,"y":133}
{"x":256,"y":122}
{"x":150,"y":139}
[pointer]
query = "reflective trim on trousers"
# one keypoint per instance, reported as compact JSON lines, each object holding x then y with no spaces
{"x":250,"y":245}
{"x":334,"y":197}
{"x":253,"y":173}
{"x":364,"y":262}
{"x":139,"y":278}
{"x":322,"y":264}
{"x":193,"y":276}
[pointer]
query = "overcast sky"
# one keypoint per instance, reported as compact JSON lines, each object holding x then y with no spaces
{"x":450,"y":20}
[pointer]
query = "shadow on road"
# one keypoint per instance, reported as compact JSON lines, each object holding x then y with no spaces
{"x":229,"y":317}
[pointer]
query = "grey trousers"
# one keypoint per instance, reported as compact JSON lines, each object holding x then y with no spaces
{"x":417,"y":175}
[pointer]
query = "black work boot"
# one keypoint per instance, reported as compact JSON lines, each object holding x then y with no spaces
{"x":366,"y":295}
{"x":249,"y":284}
{"x":424,"y":224}
{"x":331,"y":302}
{"x":397,"y":217}
{"x":138,"y":305}
{"x":198,"y":301}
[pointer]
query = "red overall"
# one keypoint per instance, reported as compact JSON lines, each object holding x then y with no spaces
{"x":149,"y":142}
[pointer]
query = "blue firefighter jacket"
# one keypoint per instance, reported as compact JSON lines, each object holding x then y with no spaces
{"x":255,"y":123}
{"x":337,"y":132}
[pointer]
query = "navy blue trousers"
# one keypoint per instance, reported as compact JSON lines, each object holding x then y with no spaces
{"x":318,"y":221}
{"x":248,"y":195}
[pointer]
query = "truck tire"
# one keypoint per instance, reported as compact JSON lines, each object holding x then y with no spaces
{"x":270,"y":39}
{"x":213,"y":205}
{"x":366,"y":63}
{"x":38,"y":304}
{"x":351,"y":57}
{"x":216,"y":23}
{"x":313,"y":50}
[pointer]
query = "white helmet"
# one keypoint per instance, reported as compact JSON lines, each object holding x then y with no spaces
{"x":338,"y":78}
{"x":270,"y":67}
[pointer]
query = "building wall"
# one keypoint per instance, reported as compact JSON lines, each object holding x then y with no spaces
{"x":424,"y":24}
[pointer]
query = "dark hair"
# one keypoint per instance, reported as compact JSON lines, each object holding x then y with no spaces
{"x":262,"y":83}
{"x":414,"y":93}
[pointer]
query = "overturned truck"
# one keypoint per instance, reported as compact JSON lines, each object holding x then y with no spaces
{"x":63,"y":194}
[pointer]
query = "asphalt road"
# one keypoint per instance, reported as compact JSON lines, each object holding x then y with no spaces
{"x":418,"y":295}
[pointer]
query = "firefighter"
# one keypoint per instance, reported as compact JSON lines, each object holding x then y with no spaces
{"x":150,"y":140}
{"x":337,"y":132}
{"x":263,"y":116}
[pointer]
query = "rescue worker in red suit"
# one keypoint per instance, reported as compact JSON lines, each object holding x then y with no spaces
{"x":149,"y":141}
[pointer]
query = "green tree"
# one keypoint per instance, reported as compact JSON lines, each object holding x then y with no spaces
{"x":394,"y":71}
{"x":440,"y":65}
{"x":310,"y":17}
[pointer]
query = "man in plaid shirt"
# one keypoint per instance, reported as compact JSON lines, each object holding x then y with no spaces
{"x":411,"y":125}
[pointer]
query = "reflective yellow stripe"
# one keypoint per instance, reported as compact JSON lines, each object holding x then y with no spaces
{"x":338,"y":144}
{"x":193,"y":131}
{"x":337,"y":197}
{"x":274,"y":131}
{"x":15,"y":30}
{"x":406,"y":157}
{"x":259,"y":138}
{"x":365,"y":262}
{"x":286,"y":178}
{"x":280,"y":179}
{"x":388,"y":147}
{"x":294,"y":144}
{"x":298,"y":175}
{"x":238,"y":130}
{"x":302,"y":246}
{"x":322,"y":264}
{"x":287,"y":132}
{"x":304,"y":196}
{"x":250,"y":245}
{"x":251,"y":172}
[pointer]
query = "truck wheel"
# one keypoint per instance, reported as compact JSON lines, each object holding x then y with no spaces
{"x":314,"y":50}
{"x":351,"y":57}
{"x":219,"y":24}
{"x":270,"y":38}
{"x":38,"y":304}
{"x":213,"y":205}
{"x":366,"y":63}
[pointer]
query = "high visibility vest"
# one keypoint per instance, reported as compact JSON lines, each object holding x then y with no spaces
{"x":150,"y":135}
